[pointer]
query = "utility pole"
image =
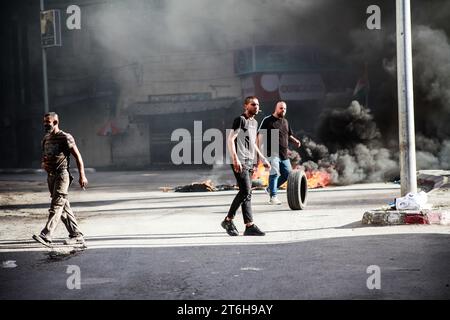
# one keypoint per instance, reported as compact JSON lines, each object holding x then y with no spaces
{"x":407,"y":142}
{"x":44,"y":70}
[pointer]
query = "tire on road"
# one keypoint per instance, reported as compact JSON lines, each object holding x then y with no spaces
{"x":297,"y":190}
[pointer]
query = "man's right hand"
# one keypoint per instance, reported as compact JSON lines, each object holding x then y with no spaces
{"x":237,"y":166}
{"x":83,"y":181}
{"x":266,"y":164}
{"x":44,"y":165}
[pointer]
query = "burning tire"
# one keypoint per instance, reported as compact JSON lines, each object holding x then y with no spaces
{"x":297,"y":190}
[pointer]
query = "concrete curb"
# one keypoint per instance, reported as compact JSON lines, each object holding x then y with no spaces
{"x":398,"y":217}
{"x":429,"y":180}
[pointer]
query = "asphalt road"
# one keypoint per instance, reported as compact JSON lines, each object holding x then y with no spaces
{"x":148,"y":244}
{"x":411,"y":267}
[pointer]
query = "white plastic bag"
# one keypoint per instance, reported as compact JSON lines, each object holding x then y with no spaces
{"x":412,"y":201}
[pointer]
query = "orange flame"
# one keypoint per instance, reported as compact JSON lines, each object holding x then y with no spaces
{"x":315,"y":178}
{"x":318,"y":179}
{"x":261,"y":174}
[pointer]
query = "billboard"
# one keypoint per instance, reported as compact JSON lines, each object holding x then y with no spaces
{"x":50,"y":28}
{"x":280,"y":86}
{"x":288,"y":58}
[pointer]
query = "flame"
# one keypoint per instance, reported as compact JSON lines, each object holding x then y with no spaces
{"x":317,"y":179}
{"x":261,"y":174}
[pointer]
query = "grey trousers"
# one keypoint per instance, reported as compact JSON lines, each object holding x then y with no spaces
{"x":58,"y":185}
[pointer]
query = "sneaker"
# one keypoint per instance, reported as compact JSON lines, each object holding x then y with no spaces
{"x":74,"y":240}
{"x":253,"y":230}
{"x":43,"y":240}
{"x":274,"y":200}
{"x":229,"y":226}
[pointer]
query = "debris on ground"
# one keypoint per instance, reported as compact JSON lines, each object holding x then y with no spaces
{"x":204,"y":186}
{"x":226,"y":187}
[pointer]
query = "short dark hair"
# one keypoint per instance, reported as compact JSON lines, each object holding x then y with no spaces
{"x":51,"y":114}
{"x":279,"y":101}
{"x":248,"y":99}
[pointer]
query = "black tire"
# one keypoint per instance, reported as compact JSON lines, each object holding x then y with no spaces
{"x":297,"y":190}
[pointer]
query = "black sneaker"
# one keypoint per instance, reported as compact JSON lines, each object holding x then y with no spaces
{"x":253,"y":230}
{"x":229,"y":226}
{"x":43,"y":240}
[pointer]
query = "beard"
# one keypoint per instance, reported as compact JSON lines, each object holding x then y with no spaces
{"x":48,"y":128}
{"x":252,"y":112}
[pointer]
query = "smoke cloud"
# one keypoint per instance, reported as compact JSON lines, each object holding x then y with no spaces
{"x":344,"y":128}
{"x":355,"y":143}
{"x":354,"y":139}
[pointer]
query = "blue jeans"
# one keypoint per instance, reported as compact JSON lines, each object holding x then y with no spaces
{"x":279,"y":174}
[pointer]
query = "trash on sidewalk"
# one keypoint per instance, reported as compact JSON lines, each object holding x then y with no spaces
{"x":413,"y":201}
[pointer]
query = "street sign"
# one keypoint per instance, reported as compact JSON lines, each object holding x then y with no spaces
{"x":50,"y":28}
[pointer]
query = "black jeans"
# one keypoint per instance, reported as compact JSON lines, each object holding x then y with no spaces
{"x":244,"y":196}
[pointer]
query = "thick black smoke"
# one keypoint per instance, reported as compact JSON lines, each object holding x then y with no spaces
{"x":345,"y":128}
{"x":354,"y":140}
{"x":363,"y":140}
{"x":431,"y":62}
{"x":358,"y":143}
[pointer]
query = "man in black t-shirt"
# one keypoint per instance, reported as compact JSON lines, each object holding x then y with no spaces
{"x":275,"y":128}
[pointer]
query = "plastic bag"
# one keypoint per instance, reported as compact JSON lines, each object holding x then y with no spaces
{"x":412,"y":201}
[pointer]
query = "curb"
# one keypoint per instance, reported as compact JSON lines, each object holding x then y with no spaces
{"x":398,"y":217}
{"x":429,"y":180}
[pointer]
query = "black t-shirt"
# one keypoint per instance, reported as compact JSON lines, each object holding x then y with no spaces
{"x":267,"y":125}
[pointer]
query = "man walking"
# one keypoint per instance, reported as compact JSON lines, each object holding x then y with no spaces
{"x":57,"y":146}
{"x":242,"y":146}
{"x":276,"y":126}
